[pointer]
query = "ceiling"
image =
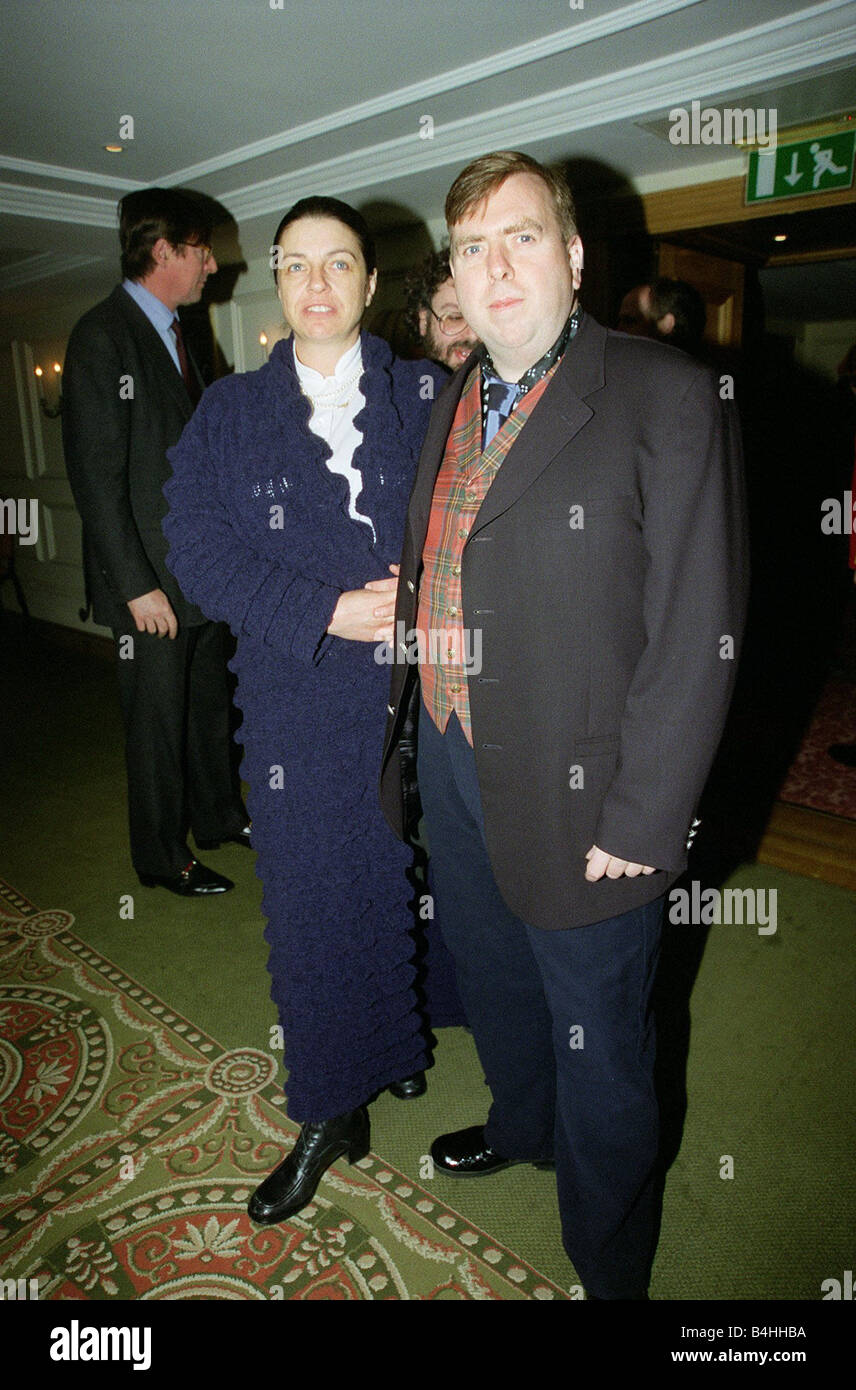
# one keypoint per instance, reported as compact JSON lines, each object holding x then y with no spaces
{"x":259,"y":102}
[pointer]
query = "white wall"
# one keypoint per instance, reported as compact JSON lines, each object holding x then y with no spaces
{"x":818,"y":347}
{"x":32,"y":468}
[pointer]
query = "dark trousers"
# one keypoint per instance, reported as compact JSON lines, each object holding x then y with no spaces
{"x":175,"y":705}
{"x":562,"y":1025}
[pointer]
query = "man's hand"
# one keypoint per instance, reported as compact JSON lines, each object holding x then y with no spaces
{"x":600,"y":863}
{"x":362,"y":616}
{"x":153,"y":613}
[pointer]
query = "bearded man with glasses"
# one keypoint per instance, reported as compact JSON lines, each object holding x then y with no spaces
{"x":434,"y":316}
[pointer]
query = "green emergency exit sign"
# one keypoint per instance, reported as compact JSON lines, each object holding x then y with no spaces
{"x":819,"y":165}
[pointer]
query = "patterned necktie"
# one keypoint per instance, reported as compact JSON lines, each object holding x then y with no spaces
{"x":501,"y":396}
{"x":188,"y":375}
{"x":495,"y":403}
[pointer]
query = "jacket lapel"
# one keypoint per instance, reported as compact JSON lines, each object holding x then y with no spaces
{"x":155,"y":350}
{"x":558,"y":417}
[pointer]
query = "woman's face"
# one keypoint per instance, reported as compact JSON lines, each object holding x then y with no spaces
{"x":323,"y":285}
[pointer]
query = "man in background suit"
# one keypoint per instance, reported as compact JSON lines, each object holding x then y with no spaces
{"x":578,"y":509}
{"x":129,"y":388}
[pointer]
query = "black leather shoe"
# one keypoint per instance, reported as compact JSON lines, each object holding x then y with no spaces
{"x":409,"y":1087}
{"x":292,"y":1185}
{"x":241,"y":837}
{"x":464,"y":1154}
{"x":195,"y":881}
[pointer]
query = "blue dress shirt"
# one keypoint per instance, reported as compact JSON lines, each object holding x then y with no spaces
{"x":158,"y":315}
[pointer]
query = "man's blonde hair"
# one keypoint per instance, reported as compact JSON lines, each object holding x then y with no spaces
{"x":484,"y":176}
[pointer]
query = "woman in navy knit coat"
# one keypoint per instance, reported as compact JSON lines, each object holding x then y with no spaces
{"x":287,"y":506}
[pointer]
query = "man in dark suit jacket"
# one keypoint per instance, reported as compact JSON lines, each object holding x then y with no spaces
{"x":573,"y":577}
{"x":129,"y":388}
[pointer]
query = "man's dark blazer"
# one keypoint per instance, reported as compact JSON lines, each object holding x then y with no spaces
{"x":124,"y":405}
{"x":607,"y":572}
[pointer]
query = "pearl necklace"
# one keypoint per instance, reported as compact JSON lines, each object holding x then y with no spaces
{"x":326,"y":399}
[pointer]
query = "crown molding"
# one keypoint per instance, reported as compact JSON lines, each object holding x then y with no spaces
{"x":706,"y":70}
{"x":730,"y":167}
{"x":42,"y":267}
{"x":562,"y":41}
{"x":805,"y":41}
{"x":61,"y":174}
{"x":627,"y":17}
{"x":50,"y":205}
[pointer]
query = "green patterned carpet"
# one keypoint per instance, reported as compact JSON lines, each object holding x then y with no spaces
{"x":131,"y":1141}
{"x":769,"y":1071}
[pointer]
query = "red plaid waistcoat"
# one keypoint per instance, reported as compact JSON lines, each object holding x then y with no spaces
{"x":462,"y":483}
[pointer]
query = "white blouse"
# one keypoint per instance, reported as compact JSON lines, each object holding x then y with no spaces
{"x":336,"y":402}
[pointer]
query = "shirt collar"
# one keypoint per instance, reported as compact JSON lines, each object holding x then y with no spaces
{"x":344,"y":366}
{"x":158,"y":313}
{"x":540,"y":368}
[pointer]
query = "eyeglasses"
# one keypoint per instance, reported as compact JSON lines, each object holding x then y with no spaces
{"x":450,"y":323}
{"x":199,"y":246}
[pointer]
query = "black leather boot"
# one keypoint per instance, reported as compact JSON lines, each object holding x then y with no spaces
{"x":409,"y":1086}
{"x":292,"y":1185}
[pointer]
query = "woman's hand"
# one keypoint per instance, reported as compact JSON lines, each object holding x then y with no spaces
{"x":366,"y":615}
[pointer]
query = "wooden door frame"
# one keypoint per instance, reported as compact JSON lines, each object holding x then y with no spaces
{"x":710,"y":204}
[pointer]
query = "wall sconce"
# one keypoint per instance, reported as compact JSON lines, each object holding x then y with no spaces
{"x":263,"y":340}
{"x":49,"y":399}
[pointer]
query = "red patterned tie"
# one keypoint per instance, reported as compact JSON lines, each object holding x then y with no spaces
{"x":188,"y":375}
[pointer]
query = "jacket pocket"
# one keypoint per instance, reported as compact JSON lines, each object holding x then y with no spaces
{"x":605,"y":744}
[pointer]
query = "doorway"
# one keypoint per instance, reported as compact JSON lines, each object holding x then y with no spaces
{"x":780,"y":293}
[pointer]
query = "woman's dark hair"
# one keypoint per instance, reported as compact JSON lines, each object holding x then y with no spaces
{"x":148,"y":214}
{"x":329,"y":207}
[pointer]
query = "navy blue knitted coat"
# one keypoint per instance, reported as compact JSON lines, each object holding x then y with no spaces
{"x":260,"y":537}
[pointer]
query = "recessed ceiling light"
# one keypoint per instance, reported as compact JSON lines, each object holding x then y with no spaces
{"x":114,"y":149}
{"x":780,"y":236}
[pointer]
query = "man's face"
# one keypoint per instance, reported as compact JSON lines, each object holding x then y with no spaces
{"x":446,"y":336}
{"x":515,"y":275}
{"x":185,"y":269}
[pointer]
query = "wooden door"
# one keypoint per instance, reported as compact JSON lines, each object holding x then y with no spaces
{"x":720,"y":284}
